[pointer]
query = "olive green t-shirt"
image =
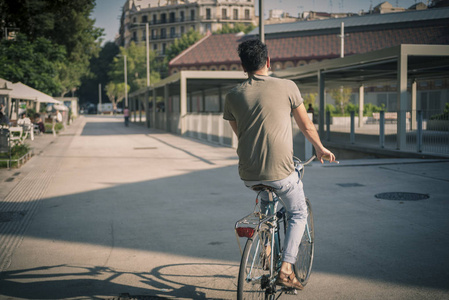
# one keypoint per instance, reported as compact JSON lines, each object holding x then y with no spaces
{"x":262,"y":106}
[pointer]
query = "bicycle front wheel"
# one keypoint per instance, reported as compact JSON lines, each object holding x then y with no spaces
{"x":254,"y":270}
{"x":303,"y":266}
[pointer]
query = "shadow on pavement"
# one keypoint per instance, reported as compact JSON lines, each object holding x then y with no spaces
{"x":58,"y":282}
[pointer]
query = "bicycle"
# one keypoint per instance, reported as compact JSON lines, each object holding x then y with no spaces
{"x":261,"y":257}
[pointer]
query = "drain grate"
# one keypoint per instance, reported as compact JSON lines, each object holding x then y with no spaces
{"x":10,"y":216}
{"x":402,"y":196}
{"x":145,"y":148}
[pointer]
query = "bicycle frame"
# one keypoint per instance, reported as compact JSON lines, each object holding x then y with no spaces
{"x":262,"y":229}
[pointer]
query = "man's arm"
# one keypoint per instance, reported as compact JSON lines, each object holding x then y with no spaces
{"x":309,"y":131}
{"x":234,"y":126}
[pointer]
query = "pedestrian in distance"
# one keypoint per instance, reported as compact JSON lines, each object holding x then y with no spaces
{"x":126,"y":115}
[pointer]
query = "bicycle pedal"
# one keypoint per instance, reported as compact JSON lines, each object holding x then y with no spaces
{"x":289,"y":291}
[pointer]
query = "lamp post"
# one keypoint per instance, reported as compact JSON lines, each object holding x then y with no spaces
{"x":126,"y":81}
{"x":147,"y":45}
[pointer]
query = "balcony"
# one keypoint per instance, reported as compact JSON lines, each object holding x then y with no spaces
{"x":165,"y":37}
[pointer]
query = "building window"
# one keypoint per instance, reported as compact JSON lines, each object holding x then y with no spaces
{"x":164,"y":46}
{"x":163,"y":33}
{"x":247,"y":17}
{"x":134,"y":36}
{"x":224,"y":14}
{"x":236,"y":14}
{"x":208,"y":27}
{"x":154,"y":19}
{"x":181,"y":16}
{"x":182,"y":30}
{"x":192,"y":15}
{"x":208,"y":15}
{"x":153,"y":33}
{"x":134,"y":20}
{"x":144,"y":19}
{"x":172,"y":32}
{"x":163,"y":18}
{"x":155,"y":47}
{"x":172,"y":17}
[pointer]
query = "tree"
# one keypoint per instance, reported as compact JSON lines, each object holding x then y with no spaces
{"x":37,"y":64}
{"x":341,"y":97}
{"x":179,"y":45}
{"x":238,"y":27}
{"x":99,"y":69}
{"x":63,"y":22}
{"x":136,"y":67}
{"x":309,"y":98}
{"x":115,"y":92}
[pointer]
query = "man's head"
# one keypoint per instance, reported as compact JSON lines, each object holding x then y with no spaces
{"x":253,"y":55}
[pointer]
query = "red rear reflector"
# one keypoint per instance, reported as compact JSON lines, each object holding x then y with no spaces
{"x":247,"y":232}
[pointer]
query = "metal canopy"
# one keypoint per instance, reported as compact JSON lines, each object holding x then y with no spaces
{"x":396,"y":64}
{"x":374,"y":67}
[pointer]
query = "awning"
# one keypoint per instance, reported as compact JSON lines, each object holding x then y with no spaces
{"x":24,"y":92}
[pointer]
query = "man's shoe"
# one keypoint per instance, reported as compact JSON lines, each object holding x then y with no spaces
{"x":289,"y":280}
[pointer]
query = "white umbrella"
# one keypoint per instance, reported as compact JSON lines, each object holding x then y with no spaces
{"x":24,"y":92}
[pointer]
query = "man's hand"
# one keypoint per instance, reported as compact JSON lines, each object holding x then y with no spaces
{"x":324,"y":154}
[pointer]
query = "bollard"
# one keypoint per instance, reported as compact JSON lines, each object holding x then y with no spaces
{"x":382,"y":129}
{"x":328,"y":125}
{"x":419,"y":131}
{"x":352,"y":136}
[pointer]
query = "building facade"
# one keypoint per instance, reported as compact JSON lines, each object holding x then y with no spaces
{"x":170,"y":19}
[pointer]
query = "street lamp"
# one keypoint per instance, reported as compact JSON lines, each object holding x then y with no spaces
{"x":147,"y":45}
{"x":126,"y":82}
{"x":126,"y":78}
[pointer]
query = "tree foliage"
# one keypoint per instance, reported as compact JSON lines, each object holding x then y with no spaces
{"x":341,"y":97}
{"x":65,"y":23}
{"x":37,"y":63}
{"x":179,"y":45}
{"x":238,"y":27}
{"x":99,"y":74}
{"x":136,"y":67}
{"x":115,"y":92}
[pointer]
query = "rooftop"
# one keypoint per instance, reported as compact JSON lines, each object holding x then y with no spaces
{"x":358,"y":21}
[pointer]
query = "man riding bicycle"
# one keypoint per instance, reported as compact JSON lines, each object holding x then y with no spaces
{"x":259,"y":112}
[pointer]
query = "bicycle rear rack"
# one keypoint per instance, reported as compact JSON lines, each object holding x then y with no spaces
{"x":248,"y":226}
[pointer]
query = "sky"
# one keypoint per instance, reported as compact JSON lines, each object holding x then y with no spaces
{"x":107,"y":12}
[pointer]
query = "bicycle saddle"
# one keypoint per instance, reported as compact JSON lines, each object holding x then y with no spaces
{"x":262,"y":187}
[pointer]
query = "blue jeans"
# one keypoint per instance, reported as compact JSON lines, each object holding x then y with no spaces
{"x":291,"y":192}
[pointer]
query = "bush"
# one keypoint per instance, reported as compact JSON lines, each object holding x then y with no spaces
{"x":443,"y":116}
{"x":351,"y":108}
{"x":19,"y":150}
{"x":48,"y":127}
{"x":330,"y":108}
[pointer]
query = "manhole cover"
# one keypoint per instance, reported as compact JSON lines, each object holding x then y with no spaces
{"x":401,"y":196}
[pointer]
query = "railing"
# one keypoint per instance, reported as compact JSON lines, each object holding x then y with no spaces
{"x":380,"y":130}
{"x":165,"y":37}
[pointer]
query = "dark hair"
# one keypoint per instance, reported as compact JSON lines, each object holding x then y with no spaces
{"x":253,"y":54}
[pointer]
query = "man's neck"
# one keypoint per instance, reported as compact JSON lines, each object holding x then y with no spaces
{"x":263,"y":72}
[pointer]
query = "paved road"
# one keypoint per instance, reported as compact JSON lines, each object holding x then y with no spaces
{"x":104,"y":209}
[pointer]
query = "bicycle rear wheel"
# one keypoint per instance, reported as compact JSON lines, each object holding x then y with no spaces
{"x":303,"y":266}
{"x":254,"y":270}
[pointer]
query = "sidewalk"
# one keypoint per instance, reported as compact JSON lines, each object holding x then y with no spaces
{"x":106,"y":210}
